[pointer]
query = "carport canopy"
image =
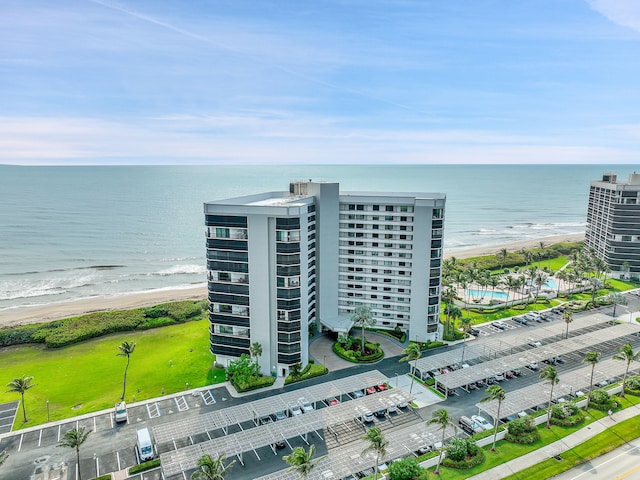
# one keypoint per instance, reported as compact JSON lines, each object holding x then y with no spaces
{"x":538,"y":394}
{"x":348,"y":459}
{"x":463,"y":377}
{"x":236,"y":444}
{"x":252,"y":411}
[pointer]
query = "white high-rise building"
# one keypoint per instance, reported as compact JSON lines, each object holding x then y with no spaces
{"x":613,"y":223}
{"x":279,"y":261}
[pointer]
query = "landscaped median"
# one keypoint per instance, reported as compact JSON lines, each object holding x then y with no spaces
{"x":507,"y":451}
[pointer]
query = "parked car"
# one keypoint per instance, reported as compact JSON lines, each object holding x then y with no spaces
{"x":381,"y":412}
{"x":295,"y":410}
{"x":281,"y":414}
{"x":121,"y":412}
{"x":333,"y":401}
{"x":371,"y":390}
{"x":535,"y":344}
{"x":482,"y":422}
{"x":357,"y":394}
{"x":499,"y":324}
{"x":403,"y":405}
{"x":517,"y":372}
{"x":472,"y":386}
{"x":469,"y":426}
{"x":392,"y":408}
{"x":266,"y":419}
{"x":499,"y":377}
{"x":367,"y":417}
{"x":474,"y":331}
{"x":305,"y":404}
{"x":509,"y":374}
{"x":533,"y":366}
{"x":382,"y":387}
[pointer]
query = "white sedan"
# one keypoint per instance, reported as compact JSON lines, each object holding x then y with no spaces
{"x":482,"y":422}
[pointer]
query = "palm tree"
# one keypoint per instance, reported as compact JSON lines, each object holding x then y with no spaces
{"x":442,"y":418}
{"x":453,"y":313}
{"x":465,"y":325}
{"x":74,"y":438}
{"x":126,"y":349}
{"x":495,"y":392}
{"x":412,"y":352}
{"x":377,"y":443}
{"x":302,"y":461}
{"x":502,"y":256}
{"x":592,"y":358}
{"x":362,"y":317}
{"x":21,"y":385}
{"x":255,"y":350}
{"x":210,"y":468}
{"x":3,"y":456}
{"x":627,"y":354}
{"x":567,"y":316}
{"x":550,"y":374}
{"x":616,"y":298}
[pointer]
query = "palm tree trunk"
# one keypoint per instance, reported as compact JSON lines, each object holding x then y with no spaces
{"x":624,"y":379}
{"x":495,"y":434}
{"x":593,"y":367}
{"x":549,"y":408}
{"x":78,"y":461}
{"x":24,"y":410}
{"x":362,"y":344}
{"x":124,"y":385}
{"x":437,"y":472}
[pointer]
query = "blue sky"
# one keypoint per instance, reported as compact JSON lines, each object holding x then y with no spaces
{"x":319,"y":81}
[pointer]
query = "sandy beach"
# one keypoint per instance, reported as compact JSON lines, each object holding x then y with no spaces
{"x":54,"y":311}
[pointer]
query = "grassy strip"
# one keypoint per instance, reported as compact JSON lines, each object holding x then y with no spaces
{"x":87,"y":377}
{"x":506,"y":451}
{"x":604,"y":442}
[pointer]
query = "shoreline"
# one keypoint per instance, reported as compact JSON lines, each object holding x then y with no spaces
{"x":57,"y":311}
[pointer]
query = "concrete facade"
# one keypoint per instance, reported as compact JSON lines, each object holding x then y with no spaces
{"x":279,"y":261}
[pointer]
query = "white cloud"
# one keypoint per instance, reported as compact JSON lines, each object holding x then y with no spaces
{"x":622,"y":12}
{"x":282,"y":139}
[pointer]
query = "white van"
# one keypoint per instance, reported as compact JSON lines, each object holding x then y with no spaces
{"x":144,"y":447}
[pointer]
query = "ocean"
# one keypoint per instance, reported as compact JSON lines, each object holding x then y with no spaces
{"x":68,"y":233}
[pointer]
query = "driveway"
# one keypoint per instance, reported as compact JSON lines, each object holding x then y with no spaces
{"x":320,"y":350}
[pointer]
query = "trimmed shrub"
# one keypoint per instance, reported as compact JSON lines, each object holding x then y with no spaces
{"x":247,"y":384}
{"x":523,"y":431}
{"x":463,"y":454}
{"x":143,"y":467}
{"x":404,"y":469}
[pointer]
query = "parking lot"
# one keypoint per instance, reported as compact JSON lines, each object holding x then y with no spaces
{"x":110,"y":446}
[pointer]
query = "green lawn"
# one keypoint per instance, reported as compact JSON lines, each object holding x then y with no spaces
{"x":88,"y":376}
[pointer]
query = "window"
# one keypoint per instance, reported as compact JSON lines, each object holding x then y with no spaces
{"x":389,"y":218}
{"x":389,"y":208}
{"x":404,"y":208}
{"x":376,"y":208}
{"x":360,"y":207}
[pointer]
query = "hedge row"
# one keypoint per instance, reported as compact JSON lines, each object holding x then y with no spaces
{"x":68,"y":331}
{"x":143,"y":467}
{"x":253,"y":383}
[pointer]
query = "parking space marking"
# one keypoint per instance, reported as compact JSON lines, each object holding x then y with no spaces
{"x":118,"y":460}
{"x":59,"y":428}
{"x":40,"y":437}
{"x":181,"y":403}
{"x":153,"y":410}
{"x":207,"y":397}
{"x":20,"y":444}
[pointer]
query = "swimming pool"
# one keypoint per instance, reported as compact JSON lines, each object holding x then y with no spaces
{"x":487,"y":294}
{"x":551,"y":283}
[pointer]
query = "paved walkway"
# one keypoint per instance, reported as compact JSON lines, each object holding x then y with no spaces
{"x":557,"y":448}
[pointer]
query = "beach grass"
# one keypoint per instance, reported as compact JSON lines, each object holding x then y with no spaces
{"x":88,"y":377}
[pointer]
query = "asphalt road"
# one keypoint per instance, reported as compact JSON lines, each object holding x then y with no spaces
{"x":621,"y":463}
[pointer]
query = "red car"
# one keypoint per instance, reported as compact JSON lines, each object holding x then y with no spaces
{"x":333,"y":401}
{"x":382,"y":387}
{"x":371,"y":390}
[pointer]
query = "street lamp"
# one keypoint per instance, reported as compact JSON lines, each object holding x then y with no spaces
{"x":48,"y":414}
{"x":324,"y":362}
{"x":396,"y":380}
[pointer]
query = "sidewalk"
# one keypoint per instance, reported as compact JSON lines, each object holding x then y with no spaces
{"x":557,"y":448}
{"x":279,"y":383}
